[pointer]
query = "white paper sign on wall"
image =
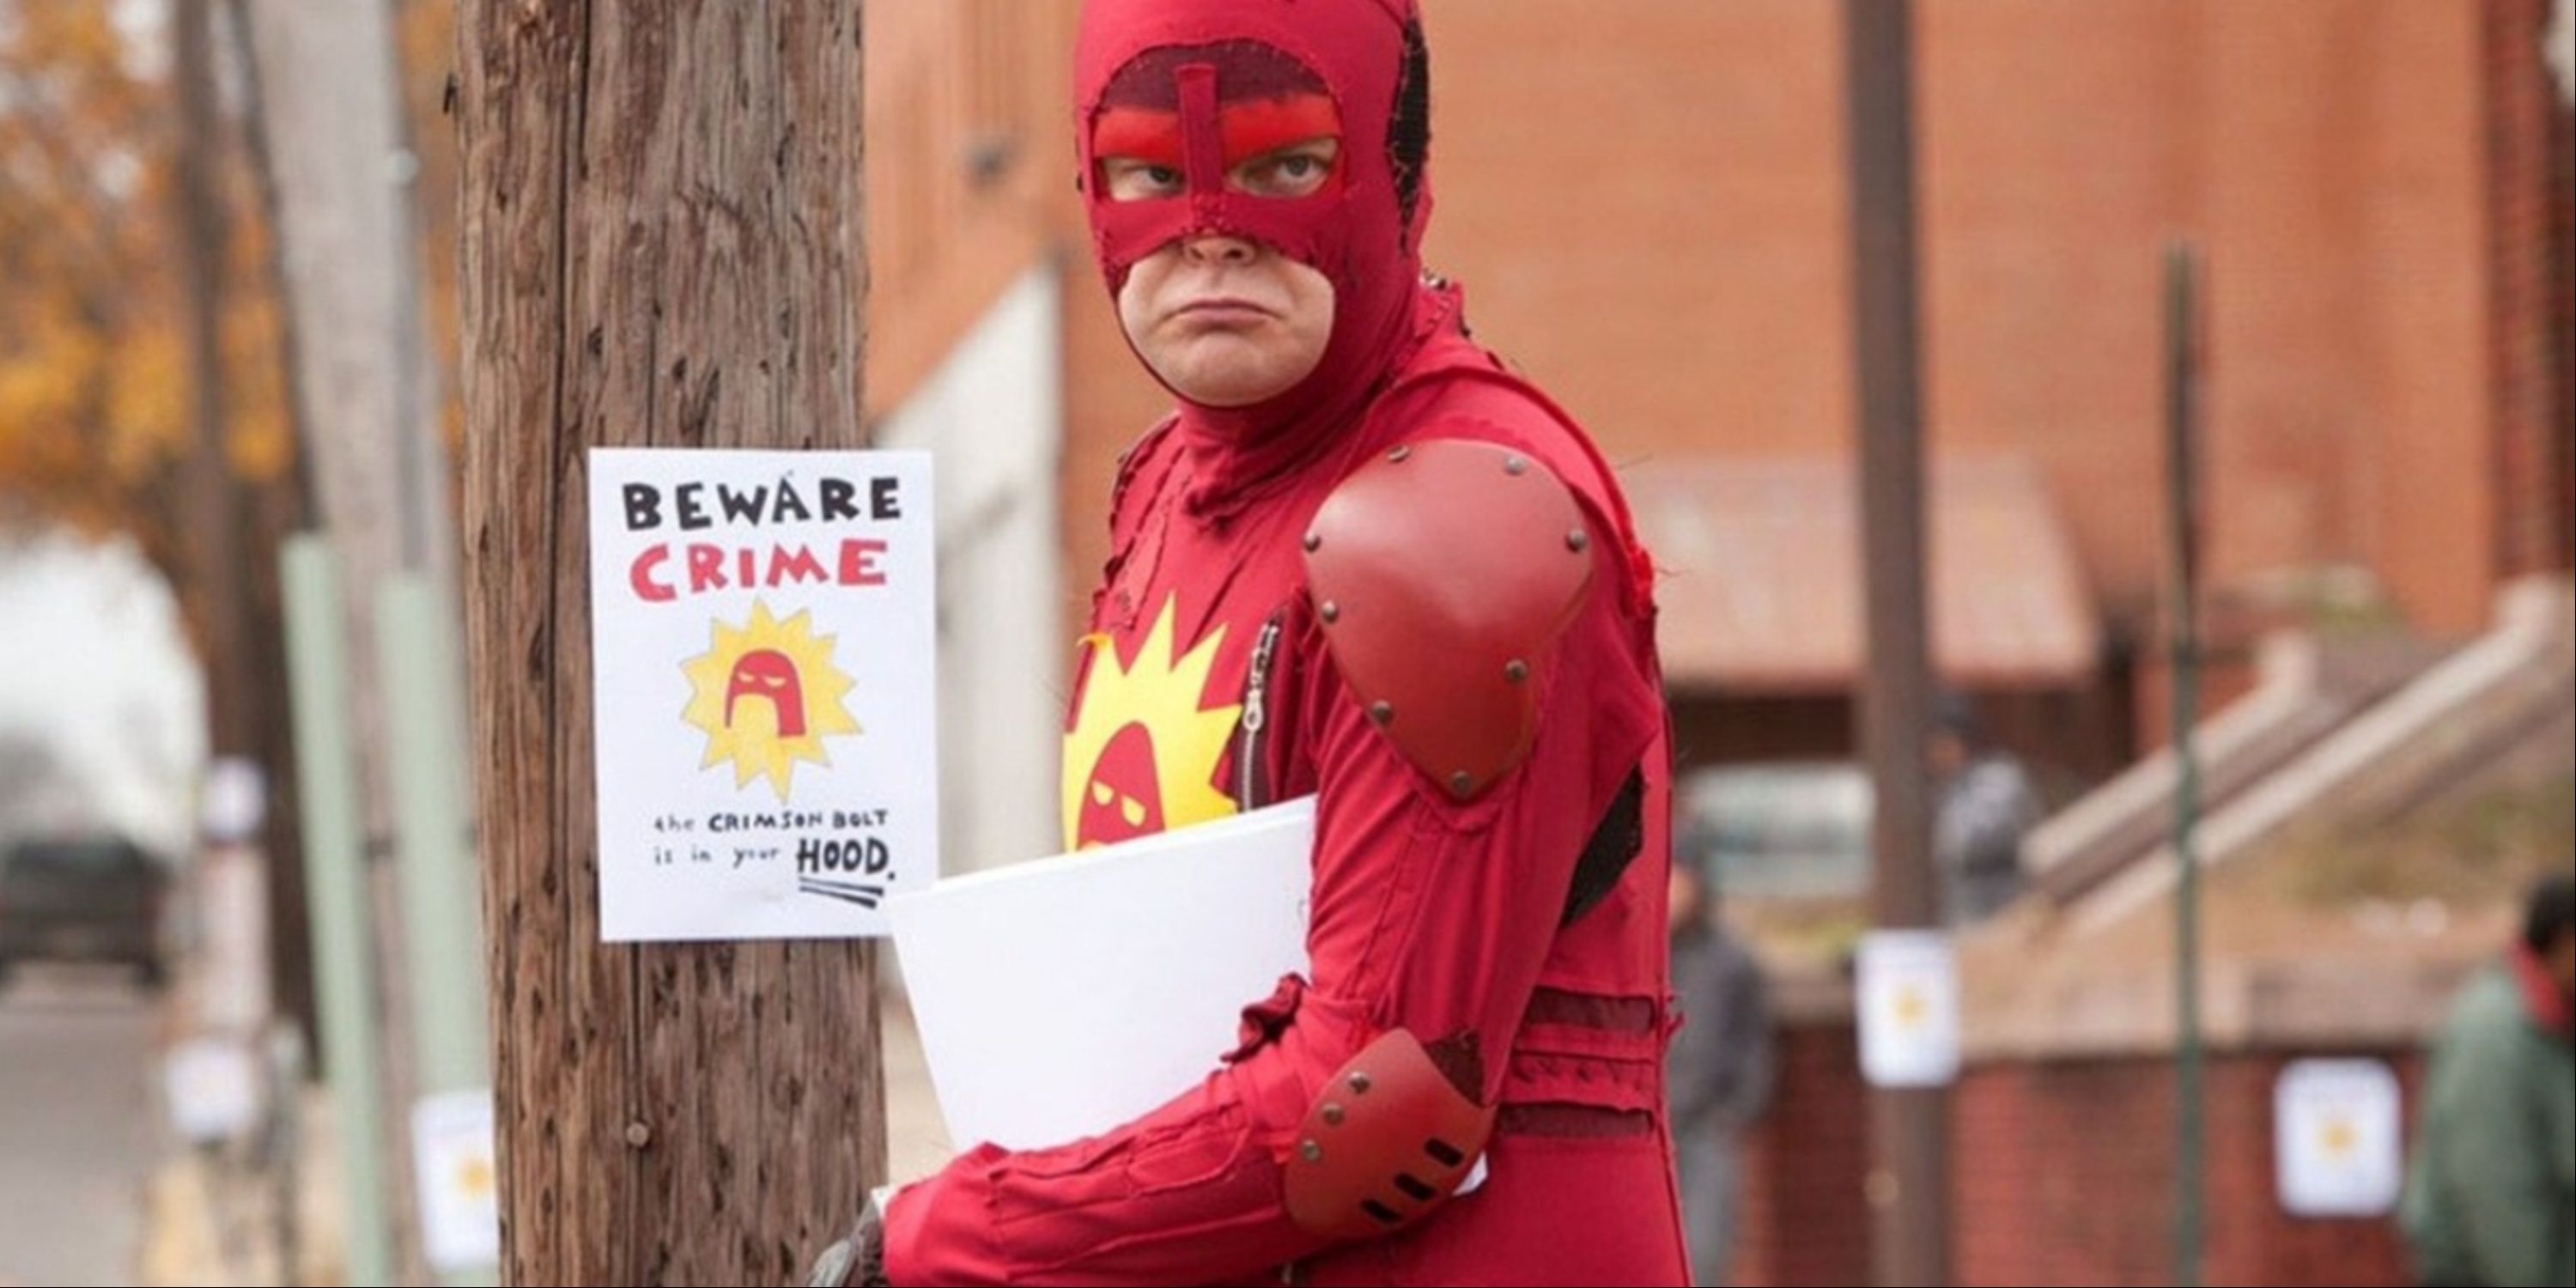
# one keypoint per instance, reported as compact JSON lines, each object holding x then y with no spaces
{"x":458,"y":1180}
{"x":764,"y":644}
{"x":234,"y":800}
{"x":2336,"y":1138}
{"x":1909,"y":1009}
{"x":212,"y":1088}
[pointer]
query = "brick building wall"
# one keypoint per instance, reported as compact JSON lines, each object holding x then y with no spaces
{"x":2063,"y":1173}
{"x":1806,"y":1218}
{"x":967,"y":163}
{"x":2526,"y":135}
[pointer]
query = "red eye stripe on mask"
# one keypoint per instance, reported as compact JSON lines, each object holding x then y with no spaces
{"x":1250,"y":128}
{"x":1140,"y":134}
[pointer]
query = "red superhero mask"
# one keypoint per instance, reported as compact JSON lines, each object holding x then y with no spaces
{"x":769,"y":676}
{"x":1202,"y":86}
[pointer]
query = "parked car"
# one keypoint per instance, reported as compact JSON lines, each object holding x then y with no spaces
{"x":86,"y":899}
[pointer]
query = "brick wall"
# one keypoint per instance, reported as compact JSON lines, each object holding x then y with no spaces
{"x":2527,"y":184}
{"x":1806,"y":1219}
{"x":967,"y":170}
{"x":2064,"y":1174}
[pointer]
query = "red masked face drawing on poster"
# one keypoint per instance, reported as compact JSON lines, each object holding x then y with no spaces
{"x":766,"y":694}
{"x":769,"y":676}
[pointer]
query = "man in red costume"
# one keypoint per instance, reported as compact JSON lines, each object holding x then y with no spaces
{"x":1405,"y":583}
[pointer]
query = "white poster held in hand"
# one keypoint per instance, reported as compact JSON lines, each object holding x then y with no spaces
{"x":763,"y":652}
{"x":2335,"y":1138}
{"x":1909,"y":1009}
{"x":459,"y":1181}
{"x":1128,"y":965}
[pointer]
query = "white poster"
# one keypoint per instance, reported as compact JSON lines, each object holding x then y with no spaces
{"x":1909,"y":1009}
{"x":1129,"y":965}
{"x":234,"y":800}
{"x":212,"y":1087}
{"x":763,"y":650}
{"x":458,"y":1181}
{"x":2336,"y":1138}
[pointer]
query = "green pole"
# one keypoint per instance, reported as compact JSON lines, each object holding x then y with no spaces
{"x":443,"y":933}
{"x":336,"y":877}
{"x":2182,"y":456}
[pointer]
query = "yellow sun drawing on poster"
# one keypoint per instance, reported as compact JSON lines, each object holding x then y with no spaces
{"x":766,"y":695}
{"x":1142,"y":757}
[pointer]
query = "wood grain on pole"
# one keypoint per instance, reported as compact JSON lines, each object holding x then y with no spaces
{"x":662,"y":247}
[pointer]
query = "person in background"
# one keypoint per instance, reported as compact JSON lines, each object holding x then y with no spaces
{"x":1719,"y":1068}
{"x":2491,"y":1193}
{"x":1987,"y":803}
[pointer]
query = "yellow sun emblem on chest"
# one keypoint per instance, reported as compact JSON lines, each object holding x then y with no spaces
{"x":1142,"y":756}
{"x":766,"y":695}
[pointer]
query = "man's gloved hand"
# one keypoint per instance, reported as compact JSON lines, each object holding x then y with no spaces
{"x":857,"y":1261}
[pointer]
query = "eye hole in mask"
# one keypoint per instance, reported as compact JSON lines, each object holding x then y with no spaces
{"x":1301,"y":169}
{"x":1279,"y":131}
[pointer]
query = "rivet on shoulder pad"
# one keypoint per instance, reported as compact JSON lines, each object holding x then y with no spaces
{"x":1399,"y":454}
{"x":1578,"y":541}
{"x":1331,"y":612}
{"x":1516,"y":465}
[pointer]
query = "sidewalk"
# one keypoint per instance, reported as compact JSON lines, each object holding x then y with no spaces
{"x":213,"y":1223}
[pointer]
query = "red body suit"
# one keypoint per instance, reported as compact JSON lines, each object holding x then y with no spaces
{"x":1522,"y":930}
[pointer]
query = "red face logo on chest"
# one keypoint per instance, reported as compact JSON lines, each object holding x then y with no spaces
{"x":1142,"y":753}
{"x":1124,"y":800}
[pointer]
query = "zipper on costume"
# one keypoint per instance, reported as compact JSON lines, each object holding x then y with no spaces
{"x":1256,"y":715}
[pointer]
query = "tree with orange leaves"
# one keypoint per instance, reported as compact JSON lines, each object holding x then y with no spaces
{"x":94,"y":424}
{"x":99,"y":430}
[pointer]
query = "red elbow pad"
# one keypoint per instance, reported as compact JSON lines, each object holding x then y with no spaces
{"x":1388,"y":1141}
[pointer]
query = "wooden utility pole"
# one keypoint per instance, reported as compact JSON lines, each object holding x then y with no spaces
{"x":662,"y":247}
{"x":1910,"y":1126}
{"x":214,"y":513}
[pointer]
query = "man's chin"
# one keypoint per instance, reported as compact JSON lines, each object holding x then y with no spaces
{"x":1223,"y":372}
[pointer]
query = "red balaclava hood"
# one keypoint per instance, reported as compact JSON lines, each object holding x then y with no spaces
{"x":1204,"y":84}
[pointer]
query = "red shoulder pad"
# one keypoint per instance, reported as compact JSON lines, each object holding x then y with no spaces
{"x":1443,"y":572}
